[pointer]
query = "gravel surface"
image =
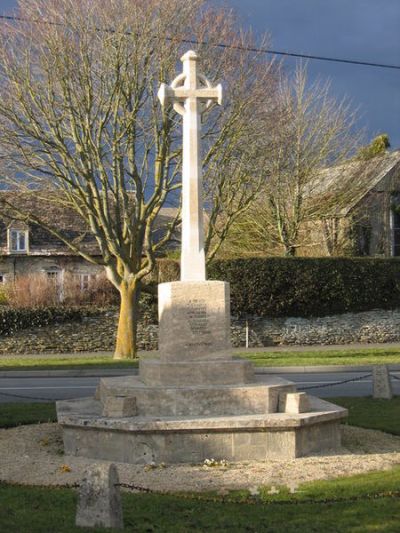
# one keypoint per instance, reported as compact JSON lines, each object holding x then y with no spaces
{"x":33,"y":455}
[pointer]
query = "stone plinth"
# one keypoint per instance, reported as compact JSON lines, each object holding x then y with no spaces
{"x":194,"y":318}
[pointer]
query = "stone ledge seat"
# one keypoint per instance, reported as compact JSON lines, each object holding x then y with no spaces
{"x":141,"y":440}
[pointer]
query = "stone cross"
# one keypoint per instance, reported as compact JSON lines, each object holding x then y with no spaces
{"x":191,"y":93}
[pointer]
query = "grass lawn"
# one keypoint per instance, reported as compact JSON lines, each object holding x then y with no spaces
{"x":374,"y":414}
{"x":346,"y":356}
{"x":60,"y":363}
{"x":358,"y":504}
{"x":16,"y":414}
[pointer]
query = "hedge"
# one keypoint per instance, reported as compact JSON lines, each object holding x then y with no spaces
{"x":306,"y":286}
{"x":14,"y":319}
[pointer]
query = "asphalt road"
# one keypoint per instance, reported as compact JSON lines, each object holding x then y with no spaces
{"x":25,"y":389}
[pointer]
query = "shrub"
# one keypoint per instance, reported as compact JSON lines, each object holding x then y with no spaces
{"x":37,"y":291}
{"x":100,"y":291}
{"x":309,"y":286}
{"x":280,"y":286}
{"x":14,"y":319}
{"x":32,"y":290}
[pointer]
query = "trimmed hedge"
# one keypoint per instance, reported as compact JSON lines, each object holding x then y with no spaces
{"x":281,"y":286}
{"x":310,"y":286}
{"x":14,"y":319}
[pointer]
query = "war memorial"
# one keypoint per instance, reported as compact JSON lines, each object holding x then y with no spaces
{"x":196,"y":401}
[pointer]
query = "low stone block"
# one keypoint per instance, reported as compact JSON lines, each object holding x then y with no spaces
{"x":119,"y":406}
{"x":99,"y":503}
{"x":382,"y":384}
{"x":294,"y":403}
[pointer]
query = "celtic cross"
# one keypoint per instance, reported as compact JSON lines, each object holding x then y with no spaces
{"x":189,"y":93}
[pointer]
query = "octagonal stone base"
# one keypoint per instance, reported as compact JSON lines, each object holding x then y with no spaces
{"x":141,"y":440}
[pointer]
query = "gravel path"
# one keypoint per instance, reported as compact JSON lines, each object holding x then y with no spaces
{"x":34,"y":455}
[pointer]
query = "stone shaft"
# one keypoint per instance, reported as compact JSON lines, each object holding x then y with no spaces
{"x":189,"y":100}
{"x":192,"y":258}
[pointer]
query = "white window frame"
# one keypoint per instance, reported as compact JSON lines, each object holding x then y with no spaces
{"x":85,"y":279}
{"x":19,"y":233}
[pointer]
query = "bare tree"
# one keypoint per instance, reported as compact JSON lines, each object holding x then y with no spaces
{"x":310,"y":172}
{"x":81,"y":124}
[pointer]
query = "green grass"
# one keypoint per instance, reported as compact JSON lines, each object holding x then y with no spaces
{"x":16,"y":414}
{"x":346,"y":356}
{"x":67,"y":363}
{"x":374,"y":414}
{"x":322,"y":506}
{"x":358,"y":504}
{"x":363,"y":356}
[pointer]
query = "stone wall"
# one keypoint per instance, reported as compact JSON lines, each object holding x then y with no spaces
{"x":98,"y":333}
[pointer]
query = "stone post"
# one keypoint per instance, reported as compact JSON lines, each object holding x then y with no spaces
{"x":99,"y":502}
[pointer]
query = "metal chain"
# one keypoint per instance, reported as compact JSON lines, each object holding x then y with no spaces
{"x":250,"y":500}
{"x":255,"y":500}
{"x":335,"y":383}
{"x":31,"y":397}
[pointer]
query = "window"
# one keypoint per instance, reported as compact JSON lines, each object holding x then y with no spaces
{"x":84,"y":280}
{"x":18,"y":240}
{"x":395,"y":224}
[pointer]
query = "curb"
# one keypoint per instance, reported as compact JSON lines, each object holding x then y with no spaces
{"x":76,"y":373}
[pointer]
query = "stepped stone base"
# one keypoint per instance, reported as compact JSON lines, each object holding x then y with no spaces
{"x":155,"y":372}
{"x":141,"y":440}
{"x":259,"y":397}
{"x":196,"y":402}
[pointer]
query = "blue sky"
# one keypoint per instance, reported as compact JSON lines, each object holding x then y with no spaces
{"x":366,"y":30}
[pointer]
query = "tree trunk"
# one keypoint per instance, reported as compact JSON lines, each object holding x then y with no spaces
{"x":128,"y":320}
{"x":290,"y":251}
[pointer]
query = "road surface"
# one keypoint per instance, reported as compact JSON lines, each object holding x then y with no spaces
{"x":25,"y":389}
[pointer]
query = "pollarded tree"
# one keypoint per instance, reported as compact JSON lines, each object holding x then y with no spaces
{"x":81,"y":124}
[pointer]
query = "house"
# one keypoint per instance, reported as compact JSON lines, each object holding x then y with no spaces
{"x":363,"y":218}
{"x":28,"y":248}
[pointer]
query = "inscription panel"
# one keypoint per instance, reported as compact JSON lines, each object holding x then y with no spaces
{"x":197,"y":316}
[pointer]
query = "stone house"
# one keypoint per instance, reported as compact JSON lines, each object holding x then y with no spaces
{"x":363,"y":220}
{"x":31,"y":249}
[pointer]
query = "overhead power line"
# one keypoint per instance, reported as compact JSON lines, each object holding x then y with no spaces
{"x":249,"y":49}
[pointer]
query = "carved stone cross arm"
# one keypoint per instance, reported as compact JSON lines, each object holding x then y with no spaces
{"x":190,"y":84}
{"x":190,"y":93}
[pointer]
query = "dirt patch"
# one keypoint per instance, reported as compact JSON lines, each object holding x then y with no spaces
{"x":33,"y":455}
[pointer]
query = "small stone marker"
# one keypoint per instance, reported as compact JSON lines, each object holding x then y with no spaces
{"x":120,"y":406}
{"x":294,"y":403}
{"x":382,"y":385}
{"x":99,"y":502}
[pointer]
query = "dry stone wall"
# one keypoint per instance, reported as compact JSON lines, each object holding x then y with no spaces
{"x":97,"y":334}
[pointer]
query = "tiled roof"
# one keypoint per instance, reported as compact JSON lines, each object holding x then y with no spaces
{"x":362,"y":176}
{"x":64,"y":219}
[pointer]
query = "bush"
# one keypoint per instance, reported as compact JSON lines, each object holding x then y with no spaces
{"x":38,"y":291}
{"x":309,"y":286}
{"x":281,"y":286}
{"x":14,"y":319}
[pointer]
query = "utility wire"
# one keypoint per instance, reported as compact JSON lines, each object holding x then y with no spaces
{"x":233,"y":47}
